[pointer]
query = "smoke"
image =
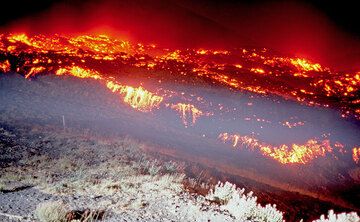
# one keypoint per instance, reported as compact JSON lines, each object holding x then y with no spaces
{"x":287,"y":26}
{"x":161,"y":22}
{"x":263,"y":119}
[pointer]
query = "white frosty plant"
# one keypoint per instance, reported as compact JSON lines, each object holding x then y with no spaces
{"x":342,"y":217}
{"x":52,"y":211}
{"x":243,"y":207}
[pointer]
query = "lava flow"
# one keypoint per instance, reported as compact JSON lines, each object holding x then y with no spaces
{"x":295,"y":153}
{"x":146,"y":86}
{"x":138,"y":98}
{"x":188,"y":112}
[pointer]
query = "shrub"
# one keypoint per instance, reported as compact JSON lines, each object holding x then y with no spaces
{"x":243,"y":206}
{"x":52,"y":211}
{"x":154,"y":169}
{"x":170,"y":167}
{"x":2,"y":187}
{"x":342,"y":217}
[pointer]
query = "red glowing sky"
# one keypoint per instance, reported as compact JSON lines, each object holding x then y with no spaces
{"x":290,"y":27}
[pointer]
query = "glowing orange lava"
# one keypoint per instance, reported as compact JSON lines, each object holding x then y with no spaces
{"x":284,"y":154}
{"x":356,"y":154}
{"x":34,"y":70}
{"x":138,"y":98}
{"x":5,"y":66}
{"x":188,"y":113}
{"x":304,"y":65}
{"x":20,"y":38}
{"x":100,"y":44}
{"x":79,"y":72}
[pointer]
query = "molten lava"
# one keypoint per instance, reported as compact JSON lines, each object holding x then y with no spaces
{"x":5,"y":66}
{"x":79,"y":72}
{"x":294,"y":153}
{"x":188,"y":112}
{"x":138,"y":98}
{"x":305,"y":66}
{"x":356,"y":154}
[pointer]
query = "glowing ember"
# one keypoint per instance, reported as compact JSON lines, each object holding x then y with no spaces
{"x":202,"y":51}
{"x":5,"y":66}
{"x":33,"y":71}
{"x":188,"y":112}
{"x":292,"y":124}
{"x":141,"y":99}
{"x":238,"y":66}
{"x":138,"y":98}
{"x":20,"y":38}
{"x":114,"y":87}
{"x":257,"y":70}
{"x":304,"y":65}
{"x":294,"y":153}
{"x":100,"y":44}
{"x":356,"y":154}
{"x":79,"y":72}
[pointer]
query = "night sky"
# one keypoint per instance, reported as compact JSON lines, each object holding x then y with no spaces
{"x":343,"y":13}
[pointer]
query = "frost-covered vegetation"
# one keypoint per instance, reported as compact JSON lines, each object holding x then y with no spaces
{"x":342,"y":217}
{"x":243,"y":206}
{"x":83,"y":171}
{"x":52,"y":211}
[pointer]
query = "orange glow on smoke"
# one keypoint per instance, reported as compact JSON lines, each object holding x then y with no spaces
{"x":284,"y":154}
